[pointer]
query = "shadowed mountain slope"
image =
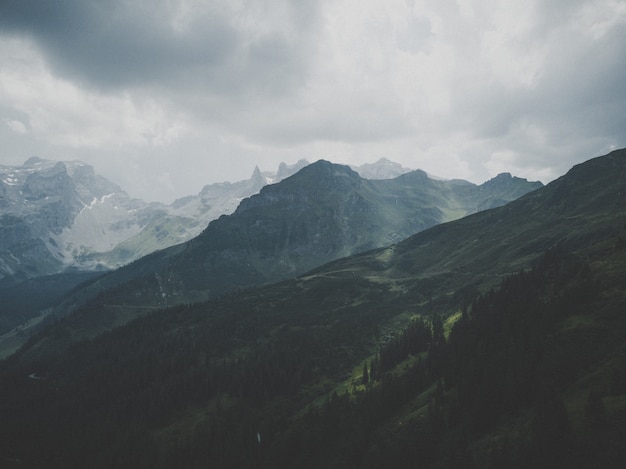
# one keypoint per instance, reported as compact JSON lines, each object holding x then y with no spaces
{"x":352,"y":364}
{"x":323,"y":212}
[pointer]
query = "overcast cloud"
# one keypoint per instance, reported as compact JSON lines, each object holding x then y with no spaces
{"x":164,"y":96}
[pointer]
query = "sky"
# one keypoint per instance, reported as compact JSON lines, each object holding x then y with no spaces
{"x":165,"y":96}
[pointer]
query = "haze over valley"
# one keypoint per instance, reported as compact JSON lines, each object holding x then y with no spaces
{"x":404,"y":344}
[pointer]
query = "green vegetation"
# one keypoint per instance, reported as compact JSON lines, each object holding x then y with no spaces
{"x":322,"y":213}
{"x":492,"y":341}
{"x":195,"y":384}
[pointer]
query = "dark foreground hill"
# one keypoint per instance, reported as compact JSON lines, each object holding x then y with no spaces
{"x":492,"y":341}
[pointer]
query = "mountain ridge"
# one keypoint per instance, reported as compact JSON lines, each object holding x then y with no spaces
{"x":68,"y":217}
{"x":323,"y":212}
{"x":493,"y":340}
{"x":79,"y":220}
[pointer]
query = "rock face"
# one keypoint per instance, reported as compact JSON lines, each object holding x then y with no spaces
{"x":56,"y":216}
{"x":37,"y":202}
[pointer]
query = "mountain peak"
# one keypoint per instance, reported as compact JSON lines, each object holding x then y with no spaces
{"x":384,"y":168}
{"x":506,"y":179}
{"x":34,"y":160}
{"x":324,"y":174}
{"x":258,"y":180}
{"x":319,"y":176}
{"x":332,"y":168}
{"x":285,"y":170}
{"x":256,"y":173}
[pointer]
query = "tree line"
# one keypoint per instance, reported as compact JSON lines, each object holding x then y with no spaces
{"x":488,"y":395}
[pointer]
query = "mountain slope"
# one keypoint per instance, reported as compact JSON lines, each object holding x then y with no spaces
{"x":36,"y":202}
{"x":323,"y":212}
{"x":56,"y":216}
{"x":62,"y":219}
{"x":63,"y":215}
{"x":584,"y":198}
{"x":531,"y":376}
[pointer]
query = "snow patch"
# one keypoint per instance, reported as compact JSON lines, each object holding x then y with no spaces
{"x":95,"y":201}
{"x":11,"y":180}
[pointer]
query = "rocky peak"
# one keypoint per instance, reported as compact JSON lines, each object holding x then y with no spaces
{"x":318,"y":181}
{"x":285,"y":170}
{"x":381,"y":169}
{"x":257,"y":177}
{"x":503,"y":181}
{"x":34,"y":160}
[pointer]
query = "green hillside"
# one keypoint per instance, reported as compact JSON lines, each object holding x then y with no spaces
{"x":492,"y":341}
{"x":322,"y":213}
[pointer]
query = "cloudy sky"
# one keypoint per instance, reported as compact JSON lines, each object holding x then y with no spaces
{"x":164,"y":96}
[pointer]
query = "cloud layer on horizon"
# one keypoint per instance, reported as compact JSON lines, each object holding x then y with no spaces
{"x":169,"y":95}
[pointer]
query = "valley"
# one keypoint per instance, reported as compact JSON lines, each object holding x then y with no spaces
{"x":185,"y":253}
{"x":493,"y":340}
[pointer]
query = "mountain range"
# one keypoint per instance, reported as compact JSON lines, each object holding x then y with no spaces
{"x":63,"y":220}
{"x":323,"y":212}
{"x":493,"y":340}
{"x":56,"y":216}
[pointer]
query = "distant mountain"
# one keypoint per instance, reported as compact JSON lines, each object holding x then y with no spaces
{"x":56,"y":216}
{"x":284,"y":171}
{"x":72,"y":220}
{"x":39,"y":203}
{"x":59,"y":216}
{"x":381,"y":169}
{"x":323,"y":212}
{"x":495,"y":340}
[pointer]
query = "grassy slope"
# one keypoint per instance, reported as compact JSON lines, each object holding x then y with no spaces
{"x":439,"y":267}
{"x":343,"y":311}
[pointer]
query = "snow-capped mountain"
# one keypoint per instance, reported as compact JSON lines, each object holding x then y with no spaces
{"x":54,"y":215}
{"x":60,"y":215}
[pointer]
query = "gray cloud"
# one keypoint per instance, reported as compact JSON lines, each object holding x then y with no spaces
{"x":120,"y":44}
{"x":461,"y":89}
{"x":574,"y":107}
